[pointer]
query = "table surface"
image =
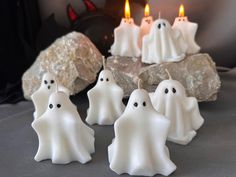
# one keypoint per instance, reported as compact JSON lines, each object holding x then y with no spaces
{"x":211,"y":154}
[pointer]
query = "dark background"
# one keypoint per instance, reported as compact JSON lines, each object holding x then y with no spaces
{"x":22,"y":25}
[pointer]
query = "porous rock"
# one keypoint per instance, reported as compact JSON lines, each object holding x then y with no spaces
{"x":73,"y":59}
{"x":196,"y":72}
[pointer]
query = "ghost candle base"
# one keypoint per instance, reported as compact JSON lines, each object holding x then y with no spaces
{"x":195,"y":72}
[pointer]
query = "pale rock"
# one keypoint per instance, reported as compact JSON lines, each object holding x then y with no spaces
{"x":73,"y":59}
{"x":197,"y":73}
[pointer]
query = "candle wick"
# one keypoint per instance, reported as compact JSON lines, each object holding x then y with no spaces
{"x":104,"y":63}
{"x":140,"y":83}
{"x":168,"y":73}
{"x":159,"y":15}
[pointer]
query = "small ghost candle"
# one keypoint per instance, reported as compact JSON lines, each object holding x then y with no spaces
{"x":63,"y":137}
{"x":126,"y":37}
{"x":105,"y":100}
{"x":49,"y":84}
{"x":146,"y":24}
{"x":188,"y":30}
{"x":170,"y":100}
{"x":140,"y":136}
{"x":163,"y":44}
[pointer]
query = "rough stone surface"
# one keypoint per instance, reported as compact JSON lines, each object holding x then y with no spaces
{"x":73,"y":59}
{"x":196,"y":72}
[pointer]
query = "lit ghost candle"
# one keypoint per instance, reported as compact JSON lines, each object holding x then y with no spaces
{"x":49,"y":84}
{"x":105,"y":100}
{"x":163,"y":44}
{"x":63,"y":137}
{"x":145,"y":24}
{"x":188,"y":30}
{"x":126,"y":37}
{"x":140,"y":136}
{"x":170,"y":100}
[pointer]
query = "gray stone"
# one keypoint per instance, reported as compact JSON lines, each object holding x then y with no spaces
{"x":196,"y":72}
{"x":73,"y":59}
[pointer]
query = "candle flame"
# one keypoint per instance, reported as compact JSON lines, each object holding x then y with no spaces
{"x":146,"y":10}
{"x":181,"y":10}
{"x":127,"y":9}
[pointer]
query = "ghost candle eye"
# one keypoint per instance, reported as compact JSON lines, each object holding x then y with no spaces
{"x":58,"y":105}
{"x":173,"y":90}
{"x":159,"y":26}
{"x":45,"y":82}
{"x":166,"y":91}
{"x":101,"y":79}
{"x":144,"y":104}
{"x":50,"y":106}
{"x":107,"y":79}
{"x":136,"y":104}
{"x":164,"y":24}
{"x":52,"y":81}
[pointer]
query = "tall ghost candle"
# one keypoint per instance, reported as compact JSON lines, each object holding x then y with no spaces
{"x":170,"y":100}
{"x":146,"y":24}
{"x":188,"y":30}
{"x":126,"y":37}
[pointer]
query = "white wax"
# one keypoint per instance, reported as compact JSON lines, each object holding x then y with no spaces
{"x":188,"y":30}
{"x":145,"y":27}
{"x":140,"y":136}
{"x":105,"y":100}
{"x":63,"y":137}
{"x":126,"y":39}
{"x":170,"y":100}
{"x":163,"y":44}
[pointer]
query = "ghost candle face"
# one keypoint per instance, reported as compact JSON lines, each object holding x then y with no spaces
{"x":163,"y":44}
{"x":49,"y":82}
{"x":171,"y":88}
{"x":105,"y":78}
{"x":170,"y":100}
{"x":58,"y":102}
{"x":139,"y":101}
{"x":162,"y":24}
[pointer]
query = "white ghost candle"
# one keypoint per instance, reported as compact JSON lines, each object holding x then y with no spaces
{"x":63,"y":137}
{"x":49,"y":85}
{"x":146,"y":24}
{"x":170,"y":100}
{"x":105,"y":100}
{"x":188,"y":30}
{"x":140,"y":136}
{"x":126,"y":37}
{"x":163,"y":44}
